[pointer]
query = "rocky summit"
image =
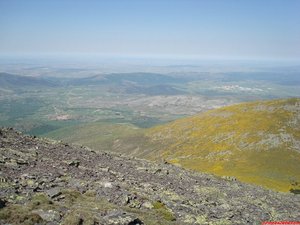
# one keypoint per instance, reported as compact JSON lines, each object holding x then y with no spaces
{"x":50,"y":182}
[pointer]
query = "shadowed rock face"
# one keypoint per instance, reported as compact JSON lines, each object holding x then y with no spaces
{"x":48,"y":182}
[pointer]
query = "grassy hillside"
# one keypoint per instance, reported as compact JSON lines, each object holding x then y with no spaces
{"x":101,"y":136}
{"x":257,"y":142}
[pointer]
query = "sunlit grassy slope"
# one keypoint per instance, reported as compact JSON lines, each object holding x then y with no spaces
{"x":257,"y":142}
{"x":98,"y":135}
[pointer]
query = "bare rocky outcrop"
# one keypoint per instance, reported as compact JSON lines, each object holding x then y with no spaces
{"x":49,"y":182}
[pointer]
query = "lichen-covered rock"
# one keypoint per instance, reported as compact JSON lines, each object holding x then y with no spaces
{"x":48,"y":215}
{"x":53,"y":192}
{"x":119,"y":217}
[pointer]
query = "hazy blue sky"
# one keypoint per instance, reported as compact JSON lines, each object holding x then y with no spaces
{"x":205,"y":28}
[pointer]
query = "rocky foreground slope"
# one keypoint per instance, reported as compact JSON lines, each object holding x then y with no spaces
{"x":48,"y":182}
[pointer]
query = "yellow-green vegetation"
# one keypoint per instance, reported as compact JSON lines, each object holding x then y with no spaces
{"x":257,"y":142}
{"x":24,"y":214}
{"x":196,"y":219}
{"x":83,"y":207}
{"x":163,"y":211}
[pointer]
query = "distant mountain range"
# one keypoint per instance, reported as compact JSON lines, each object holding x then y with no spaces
{"x":123,"y":78}
{"x":256,"y":142}
{"x":131,"y":83}
{"x":11,"y":81}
